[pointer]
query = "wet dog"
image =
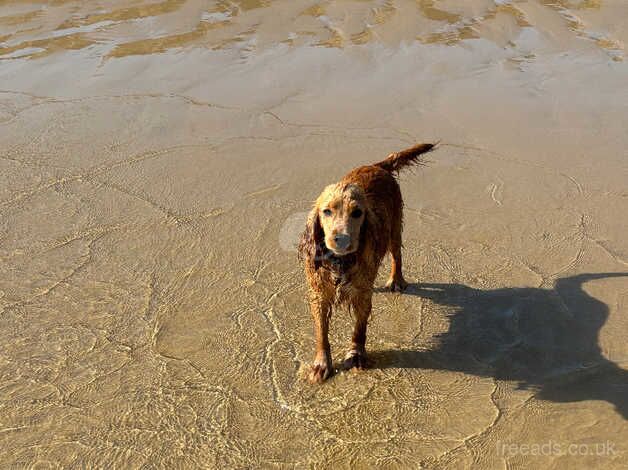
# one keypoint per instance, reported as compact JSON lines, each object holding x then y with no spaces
{"x":352,"y":225}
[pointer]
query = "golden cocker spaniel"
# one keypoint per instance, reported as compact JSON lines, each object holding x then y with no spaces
{"x":352,"y":225}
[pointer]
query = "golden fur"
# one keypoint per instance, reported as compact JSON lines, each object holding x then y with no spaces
{"x":352,"y":225}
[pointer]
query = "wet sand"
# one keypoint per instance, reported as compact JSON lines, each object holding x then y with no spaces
{"x":157,"y":160}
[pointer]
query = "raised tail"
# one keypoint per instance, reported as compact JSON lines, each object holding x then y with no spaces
{"x":399,"y":160}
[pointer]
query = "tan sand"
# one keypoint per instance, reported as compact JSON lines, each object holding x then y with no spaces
{"x":157,"y":159}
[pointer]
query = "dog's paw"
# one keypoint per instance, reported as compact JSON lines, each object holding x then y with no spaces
{"x":357,"y":360}
{"x":320,"y":371}
{"x":396,"y":285}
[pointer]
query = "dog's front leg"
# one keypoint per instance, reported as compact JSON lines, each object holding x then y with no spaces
{"x":356,"y":357}
{"x":322,"y":367}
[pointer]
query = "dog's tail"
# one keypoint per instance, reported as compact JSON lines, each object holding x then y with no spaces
{"x":399,"y":160}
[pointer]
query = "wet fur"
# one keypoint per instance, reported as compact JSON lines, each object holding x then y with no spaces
{"x":348,"y":280}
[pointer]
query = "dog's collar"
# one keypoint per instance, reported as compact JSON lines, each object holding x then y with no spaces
{"x":338,"y":266}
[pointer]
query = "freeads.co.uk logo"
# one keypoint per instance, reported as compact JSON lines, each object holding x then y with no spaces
{"x":554,"y":448}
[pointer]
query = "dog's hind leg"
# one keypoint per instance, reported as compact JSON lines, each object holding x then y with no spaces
{"x":396,"y":282}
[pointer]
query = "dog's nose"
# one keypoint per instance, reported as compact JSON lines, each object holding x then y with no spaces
{"x":342,"y":241}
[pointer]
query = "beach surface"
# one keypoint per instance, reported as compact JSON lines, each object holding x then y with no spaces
{"x":157,"y":162}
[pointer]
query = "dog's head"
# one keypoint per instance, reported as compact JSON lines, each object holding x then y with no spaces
{"x":337,"y":221}
{"x":341,"y":211}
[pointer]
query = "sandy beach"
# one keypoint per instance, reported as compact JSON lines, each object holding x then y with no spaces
{"x":157,"y":162}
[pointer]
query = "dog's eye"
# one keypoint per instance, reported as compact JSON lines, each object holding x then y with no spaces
{"x":356,"y":214}
{"x":327,"y":212}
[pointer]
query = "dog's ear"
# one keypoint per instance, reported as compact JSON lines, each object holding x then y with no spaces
{"x":312,"y":240}
{"x":371,"y":241}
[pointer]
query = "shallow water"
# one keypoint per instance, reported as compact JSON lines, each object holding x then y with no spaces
{"x":157,"y":162}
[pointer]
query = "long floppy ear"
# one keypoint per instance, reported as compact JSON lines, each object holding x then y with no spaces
{"x":371,"y":243}
{"x":312,"y":240}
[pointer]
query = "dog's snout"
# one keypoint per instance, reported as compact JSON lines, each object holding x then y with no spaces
{"x":342,"y":241}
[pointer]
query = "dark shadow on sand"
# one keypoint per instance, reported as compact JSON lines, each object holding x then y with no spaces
{"x":546,"y":340}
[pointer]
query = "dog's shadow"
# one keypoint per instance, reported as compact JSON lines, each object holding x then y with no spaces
{"x":545,"y":340}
